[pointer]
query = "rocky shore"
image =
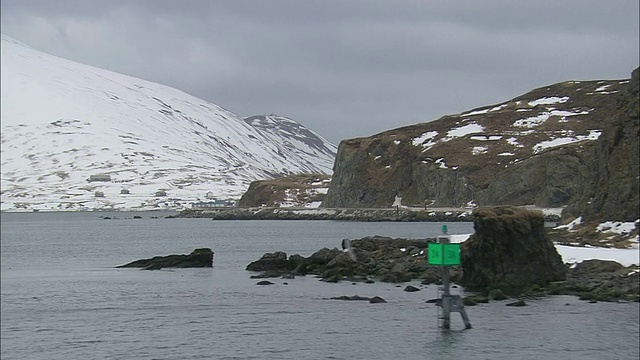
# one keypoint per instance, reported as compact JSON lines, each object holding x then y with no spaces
{"x":509,"y":255}
{"x":343,"y":214}
{"x":402,"y":260}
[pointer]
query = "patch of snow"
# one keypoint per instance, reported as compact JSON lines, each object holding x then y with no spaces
{"x":397,"y":142}
{"x":443,"y":165}
{"x":541,"y":118}
{"x":497,"y":108}
{"x":602,"y":88}
{"x":571,"y":225}
{"x":476,"y":112}
{"x":514,"y":141}
{"x":477,"y":150}
{"x":506,"y":154}
{"x":603,"y":92}
{"x":463,"y":130}
{"x":593,"y":135}
{"x":322,"y":182}
{"x":573,"y":254}
{"x":617,"y":227}
{"x":532,"y":121}
{"x":425,"y":140}
{"x":397,"y":201}
{"x":377,"y":157}
{"x":551,"y":211}
{"x":486,"y":138}
{"x":549,"y":100}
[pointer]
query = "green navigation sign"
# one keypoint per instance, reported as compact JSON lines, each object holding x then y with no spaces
{"x":435,"y":254}
{"x":444,"y":254}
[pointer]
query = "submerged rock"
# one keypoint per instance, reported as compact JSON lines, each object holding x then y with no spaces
{"x":517,"y":303}
{"x":264,"y":282}
{"x":202,"y":257}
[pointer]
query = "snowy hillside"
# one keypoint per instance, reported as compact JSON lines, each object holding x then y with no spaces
{"x":64,"y":122}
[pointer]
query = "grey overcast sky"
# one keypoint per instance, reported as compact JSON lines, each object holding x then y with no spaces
{"x":343,"y":68}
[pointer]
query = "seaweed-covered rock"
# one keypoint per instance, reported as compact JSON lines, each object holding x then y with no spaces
{"x":388,"y":259}
{"x":509,"y":250}
{"x":271,"y":262}
{"x":202,"y":257}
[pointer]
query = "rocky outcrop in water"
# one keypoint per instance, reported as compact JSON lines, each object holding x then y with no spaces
{"x":509,"y":250}
{"x":380,"y":258}
{"x":399,"y":260}
{"x":198,"y":258}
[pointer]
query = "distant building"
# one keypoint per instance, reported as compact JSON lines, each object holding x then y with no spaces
{"x":99,"y":194}
{"x":210,"y":204}
{"x":99,"y":177}
{"x":210,"y":195}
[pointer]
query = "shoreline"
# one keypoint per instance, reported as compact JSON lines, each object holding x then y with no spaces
{"x":400,"y":214}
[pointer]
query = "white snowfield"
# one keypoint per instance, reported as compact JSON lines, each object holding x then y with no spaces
{"x":63,"y":122}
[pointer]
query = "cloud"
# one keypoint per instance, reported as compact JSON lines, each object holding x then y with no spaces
{"x":343,"y":68}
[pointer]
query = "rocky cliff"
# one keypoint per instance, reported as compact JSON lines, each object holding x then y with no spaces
{"x":611,"y":183}
{"x":536,"y":149}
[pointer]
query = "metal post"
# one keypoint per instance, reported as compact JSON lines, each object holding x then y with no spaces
{"x":450,"y":302}
{"x":446,"y":296}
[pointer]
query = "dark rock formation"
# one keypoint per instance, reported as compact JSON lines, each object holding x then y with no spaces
{"x":202,"y":257}
{"x":509,"y":250}
{"x":373,"y":300}
{"x":601,"y":280}
{"x":271,"y":261}
{"x":264,"y":282}
{"x":411,"y":288}
{"x":388,"y":259}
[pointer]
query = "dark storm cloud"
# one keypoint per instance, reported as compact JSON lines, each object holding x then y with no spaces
{"x":343,"y":68}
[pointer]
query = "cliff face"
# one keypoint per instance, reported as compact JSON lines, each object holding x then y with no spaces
{"x":611,"y":183}
{"x":536,"y":149}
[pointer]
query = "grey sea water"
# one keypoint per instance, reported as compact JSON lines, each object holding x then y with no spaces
{"x":62,"y":298}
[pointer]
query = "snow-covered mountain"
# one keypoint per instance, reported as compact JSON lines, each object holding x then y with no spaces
{"x":64,"y":123}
